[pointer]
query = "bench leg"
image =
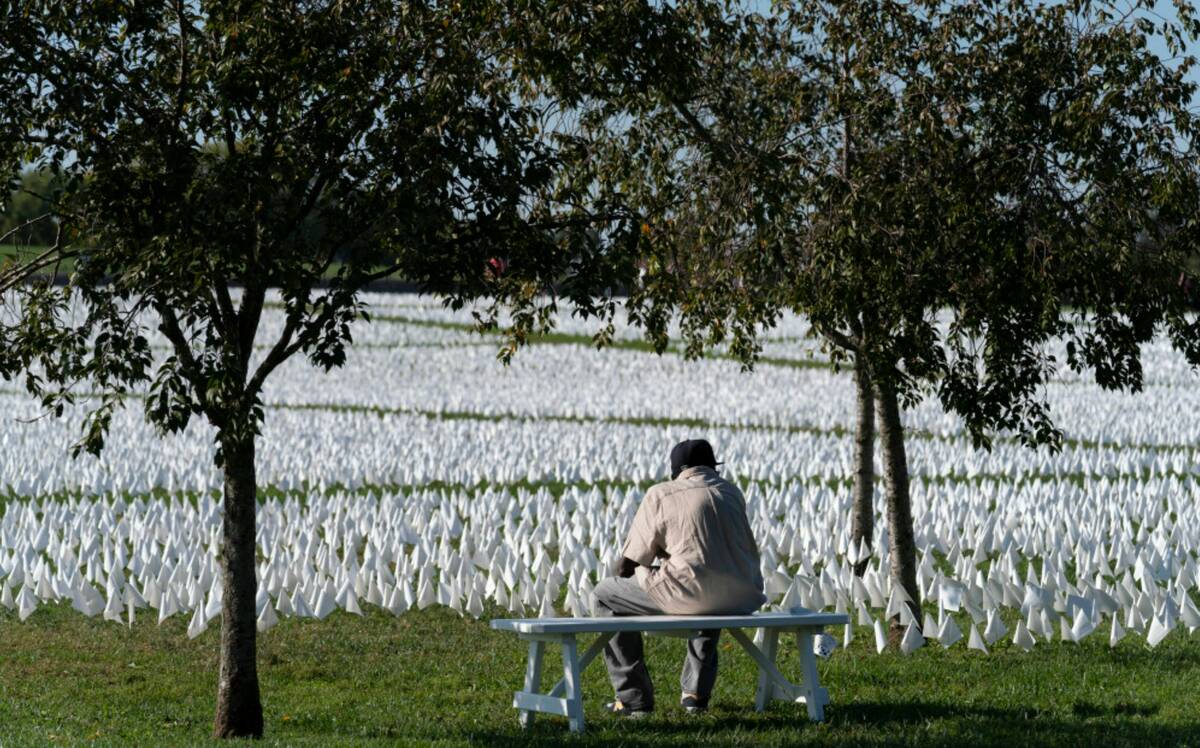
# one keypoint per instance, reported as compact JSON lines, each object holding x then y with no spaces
{"x":571,"y":681}
{"x":586,"y":659}
{"x":566,"y":698}
{"x":780,"y":686}
{"x":766,"y":687}
{"x":815,"y":697}
{"x":533,"y":678}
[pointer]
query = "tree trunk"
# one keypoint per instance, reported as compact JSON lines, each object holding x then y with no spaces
{"x":902,"y":549}
{"x":863,"y":522}
{"x":239,"y":710}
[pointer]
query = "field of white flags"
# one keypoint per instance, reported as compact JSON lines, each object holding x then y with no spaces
{"x":426,"y":473}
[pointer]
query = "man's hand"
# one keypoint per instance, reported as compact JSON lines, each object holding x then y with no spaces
{"x":624,"y":567}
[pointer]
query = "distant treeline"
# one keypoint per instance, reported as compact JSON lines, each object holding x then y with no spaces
{"x":28,"y":201}
{"x":31,"y":196}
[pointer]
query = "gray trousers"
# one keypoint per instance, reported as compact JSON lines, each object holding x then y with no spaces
{"x":624,"y":655}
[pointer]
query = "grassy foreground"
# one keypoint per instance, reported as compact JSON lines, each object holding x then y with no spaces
{"x":431,"y":677}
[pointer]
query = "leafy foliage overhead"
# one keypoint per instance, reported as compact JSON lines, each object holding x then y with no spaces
{"x":1029,"y":167}
{"x":311,"y":147}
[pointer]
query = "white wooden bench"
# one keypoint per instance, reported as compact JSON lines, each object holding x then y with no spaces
{"x":566,"y":698}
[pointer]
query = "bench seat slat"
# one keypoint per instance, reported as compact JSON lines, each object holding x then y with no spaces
{"x":666,"y":623}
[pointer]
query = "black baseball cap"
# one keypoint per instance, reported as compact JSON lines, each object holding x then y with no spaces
{"x":691,"y":453}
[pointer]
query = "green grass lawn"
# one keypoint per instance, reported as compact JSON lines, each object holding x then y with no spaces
{"x":431,"y":677}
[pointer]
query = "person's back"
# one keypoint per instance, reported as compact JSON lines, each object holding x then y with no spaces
{"x":697,"y":524}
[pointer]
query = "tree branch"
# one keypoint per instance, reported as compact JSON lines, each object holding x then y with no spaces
{"x":23,"y":271}
{"x":838,"y":338}
{"x":229,"y":318}
{"x":697,"y":126}
{"x":279,"y":352}
{"x":190,"y":367}
{"x":26,"y":224}
{"x":184,"y":63}
{"x":249,"y":316}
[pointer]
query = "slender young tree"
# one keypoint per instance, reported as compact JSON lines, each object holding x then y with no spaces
{"x":208,"y":152}
{"x":1027,"y":170}
{"x":862,"y":522}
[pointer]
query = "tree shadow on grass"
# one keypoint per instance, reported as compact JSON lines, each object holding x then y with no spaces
{"x":901,"y":713}
{"x":914,"y":723}
{"x":1119,"y":709}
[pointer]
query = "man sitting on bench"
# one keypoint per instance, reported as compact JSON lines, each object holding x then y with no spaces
{"x":696,"y":524}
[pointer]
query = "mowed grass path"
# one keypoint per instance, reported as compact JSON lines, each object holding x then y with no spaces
{"x":431,"y":677}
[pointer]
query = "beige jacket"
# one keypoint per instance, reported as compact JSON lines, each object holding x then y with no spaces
{"x":697,"y":525}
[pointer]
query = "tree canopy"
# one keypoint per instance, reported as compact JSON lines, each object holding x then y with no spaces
{"x":1029,"y":168}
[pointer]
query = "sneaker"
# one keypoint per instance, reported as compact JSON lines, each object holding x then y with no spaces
{"x":617,"y":709}
{"x":692,"y":705}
